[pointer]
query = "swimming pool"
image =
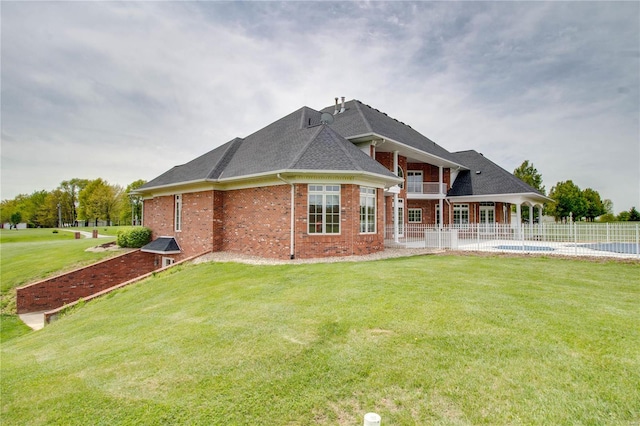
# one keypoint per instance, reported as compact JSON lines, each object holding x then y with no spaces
{"x":524,"y":248}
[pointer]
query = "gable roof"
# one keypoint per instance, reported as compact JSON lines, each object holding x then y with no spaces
{"x":297,"y":142}
{"x":360,"y":119}
{"x":485,"y":177}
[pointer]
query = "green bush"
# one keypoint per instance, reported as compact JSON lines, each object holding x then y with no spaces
{"x":134,"y":237}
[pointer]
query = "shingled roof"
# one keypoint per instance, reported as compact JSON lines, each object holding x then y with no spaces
{"x":297,"y":142}
{"x":485,"y":177}
{"x":360,"y":119}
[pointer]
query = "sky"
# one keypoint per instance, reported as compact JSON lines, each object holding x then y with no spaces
{"x":126,"y":90}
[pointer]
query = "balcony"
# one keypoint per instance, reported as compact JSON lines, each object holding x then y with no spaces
{"x":426,"y":190}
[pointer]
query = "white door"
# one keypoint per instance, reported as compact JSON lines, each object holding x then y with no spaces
{"x":487,"y":218}
{"x":400,"y":218}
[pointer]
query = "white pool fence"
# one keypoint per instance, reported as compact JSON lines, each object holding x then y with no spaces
{"x":575,"y":239}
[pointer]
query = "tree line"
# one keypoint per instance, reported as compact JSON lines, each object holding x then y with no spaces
{"x":75,"y":202}
{"x":572,"y":202}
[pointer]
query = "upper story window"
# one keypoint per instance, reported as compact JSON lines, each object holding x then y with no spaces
{"x":324,"y":209}
{"x":400,"y":174}
{"x":367,"y":210}
{"x":414,"y":181}
{"x":178,"y":212}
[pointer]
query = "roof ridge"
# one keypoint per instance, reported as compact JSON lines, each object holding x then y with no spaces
{"x":234,"y":144}
{"x":306,"y":146}
{"x":364,"y":119}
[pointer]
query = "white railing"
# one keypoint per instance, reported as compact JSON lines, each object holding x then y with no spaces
{"x":575,"y":239}
{"x":427,"y":188}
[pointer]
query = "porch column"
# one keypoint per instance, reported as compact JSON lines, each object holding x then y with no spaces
{"x":540,"y":219}
{"x":442,"y":193}
{"x":531,"y":218}
{"x":395,"y":200}
{"x":519,"y":221}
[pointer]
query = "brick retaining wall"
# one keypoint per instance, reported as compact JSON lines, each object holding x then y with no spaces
{"x":67,"y":288}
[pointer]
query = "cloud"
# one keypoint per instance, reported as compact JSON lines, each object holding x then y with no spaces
{"x":127,"y":90}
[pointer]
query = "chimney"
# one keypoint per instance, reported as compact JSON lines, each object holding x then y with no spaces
{"x":341,"y":109}
{"x":336,"y":110}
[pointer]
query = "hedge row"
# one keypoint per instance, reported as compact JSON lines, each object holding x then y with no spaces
{"x":134,"y":237}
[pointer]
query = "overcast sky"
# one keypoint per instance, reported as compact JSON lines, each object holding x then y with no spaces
{"x":127,"y":90}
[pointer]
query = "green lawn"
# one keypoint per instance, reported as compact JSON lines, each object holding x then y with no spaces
{"x":422,"y":340}
{"x":28,"y":255}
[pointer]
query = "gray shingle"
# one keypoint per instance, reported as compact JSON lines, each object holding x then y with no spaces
{"x":491,"y":180}
{"x":359,"y":119}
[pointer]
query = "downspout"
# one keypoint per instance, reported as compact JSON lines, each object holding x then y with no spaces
{"x":293,"y":215}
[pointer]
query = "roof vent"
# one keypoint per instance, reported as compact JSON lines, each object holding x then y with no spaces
{"x":335,"y":111}
{"x":478,"y":172}
{"x":341,"y":109}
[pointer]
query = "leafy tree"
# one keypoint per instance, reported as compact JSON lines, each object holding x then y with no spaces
{"x":527,"y":173}
{"x":568,"y":200}
{"x":69,"y":198}
{"x":99,"y":201}
{"x":623,"y":216}
{"x":16,"y":218}
{"x":594,"y":205}
{"x":608,"y":206}
{"x":634,"y":215}
{"x":131,"y":205}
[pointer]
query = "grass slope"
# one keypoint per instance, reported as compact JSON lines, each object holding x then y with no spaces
{"x":28,"y":255}
{"x":440,"y":339}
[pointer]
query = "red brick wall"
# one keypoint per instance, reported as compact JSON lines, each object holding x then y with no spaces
{"x":431,"y":173}
{"x":256,"y":221}
{"x":196,"y":234}
{"x":67,"y":288}
{"x":350,"y":241}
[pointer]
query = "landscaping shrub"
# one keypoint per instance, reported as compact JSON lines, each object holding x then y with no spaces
{"x":134,"y":237}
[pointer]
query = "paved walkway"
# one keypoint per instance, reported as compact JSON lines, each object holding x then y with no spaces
{"x":35,"y":320}
{"x":85,"y":234}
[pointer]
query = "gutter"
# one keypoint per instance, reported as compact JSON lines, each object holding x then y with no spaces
{"x":293,"y":212}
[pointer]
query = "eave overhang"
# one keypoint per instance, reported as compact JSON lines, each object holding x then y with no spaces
{"x":405,"y":150}
{"x":271,"y":178}
{"x":530,"y":198}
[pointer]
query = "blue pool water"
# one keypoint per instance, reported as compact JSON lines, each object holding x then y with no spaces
{"x":627,"y":248}
{"x":525,"y":248}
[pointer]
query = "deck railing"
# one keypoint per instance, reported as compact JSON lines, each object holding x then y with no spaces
{"x":426,"y":188}
{"x":576,"y":239}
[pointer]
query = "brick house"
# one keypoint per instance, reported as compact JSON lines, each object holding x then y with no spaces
{"x":323,"y":183}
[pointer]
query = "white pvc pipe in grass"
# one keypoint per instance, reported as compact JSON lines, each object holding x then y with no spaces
{"x":371,"y":419}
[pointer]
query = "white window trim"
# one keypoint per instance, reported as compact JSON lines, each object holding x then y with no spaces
{"x":177,"y":213}
{"x":415,"y":173}
{"x":414,"y":209}
{"x":460,"y":208}
{"x":324,"y":193}
{"x":369,"y":196}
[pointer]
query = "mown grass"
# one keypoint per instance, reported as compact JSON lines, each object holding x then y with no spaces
{"x":28,"y":255}
{"x":423,"y":340}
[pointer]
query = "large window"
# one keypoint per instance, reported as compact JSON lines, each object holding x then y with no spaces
{"x":415,"y":215}
{"x":461,"y":214}
{"x":414,"y":181}
{"x":324,"y":209}
{"x":178,"y":217}
{"x":367,"y":210}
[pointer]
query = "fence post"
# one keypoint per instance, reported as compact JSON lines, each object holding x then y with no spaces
{"x":638,"y":240}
